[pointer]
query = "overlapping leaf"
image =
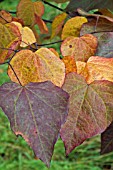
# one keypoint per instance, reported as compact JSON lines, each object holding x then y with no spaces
{"x":104,"y":35}
{"x":106,"y":12}
{"x":57,"y":24}
{"x":70,"y":64}
{"x":90,"y":110}
{"x":107,"y":140}
{"x":41,"y":24}
{"x":26,"y":10}
{"x":38,"y":8}
{"x":72,"y":27}
{"x":89,"y":5}
{"x":99,"y":68}
{"x":10,"y":39}
{"x":5,"y":17}
{"x":36,"y":112}
{"x":96,"y":26}
{"x":81,"y":67}
{"x":105,"y":44}
{"x":27,"y":35}
{"x":81,"y":48}
{"x":40,"y":66}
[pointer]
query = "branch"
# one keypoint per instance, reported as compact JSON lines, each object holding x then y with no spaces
{"x":39,"y":45}
{"x":60,"y":9}
{"x":4,"y":19}
{"x":45,"y":20}
{"x":14,"y":73}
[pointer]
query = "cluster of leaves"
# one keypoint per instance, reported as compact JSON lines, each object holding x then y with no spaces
{"x":49,"y":95}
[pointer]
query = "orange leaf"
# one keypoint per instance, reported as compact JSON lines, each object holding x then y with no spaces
{"x":72,"y":27}
{"x":5,"y":17}
{"x":80,"y":67}
{"x":40,"y":66}
{"x":41,"y":24}
{"x":10,"y":39}
{"x":27,"y":34}
{"x":81,"y":48}
{"x":99,"y":68}
{"x":55,"y":52}
{"x":38,"y":8}
{"x":25,"y":11}
{"x":70,"y":64}
{"x":57,"y":24}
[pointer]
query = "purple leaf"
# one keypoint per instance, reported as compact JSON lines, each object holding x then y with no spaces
{"x":36,"y":112}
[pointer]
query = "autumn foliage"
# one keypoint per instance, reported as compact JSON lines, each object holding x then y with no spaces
{"x":51,"y":94}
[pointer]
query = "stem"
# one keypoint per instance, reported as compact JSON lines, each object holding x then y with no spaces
{"x":45,"y":20}
{"x":12,"y":12}
{"x":9,"y":49}
{"x":4,"y":19}
{"x":39,"y":45}
{"x":4,"y":63}
{"x":60,"y":9}
{"x":14,"y":73}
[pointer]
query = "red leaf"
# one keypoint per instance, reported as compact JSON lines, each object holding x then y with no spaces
{"x":36,"y":112}
{"x":90,"y":110}
{"x":41,"y":24}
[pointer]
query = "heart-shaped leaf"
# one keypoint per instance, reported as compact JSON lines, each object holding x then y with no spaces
{"x":10,"y":39}
{"x":25,"y":11}
{"x":36,"y":112}
{"x":80,"y":48}
{"x":72,"y":27}
{"x":27,"y":35}
{"x":90,"y":110}
{"x":98,"y":68}
{"x":40,"y":66}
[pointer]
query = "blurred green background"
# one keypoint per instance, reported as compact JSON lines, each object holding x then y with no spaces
{"x":15,"y":154}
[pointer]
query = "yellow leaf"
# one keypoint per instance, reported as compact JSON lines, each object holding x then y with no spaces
{"x":72,"y":27}
{"x":57,"y":24}
{"x":27,"y":34}
{"x":10,"y":39}
{"x":43,"y":65}
{"x":80,"y":67}
{"x":99,"y":68}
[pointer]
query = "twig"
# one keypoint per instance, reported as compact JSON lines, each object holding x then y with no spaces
{"x":39,"y":45}
{"x":4,"y":19}
{"x":14,"y":73}
{"x":45,"y":20}
{"x":60,"y":9}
